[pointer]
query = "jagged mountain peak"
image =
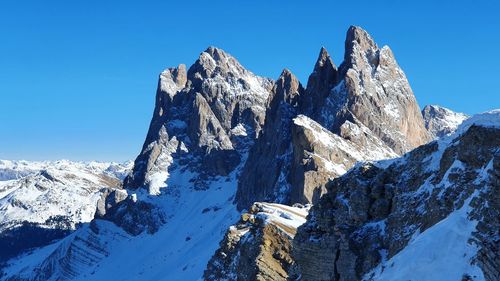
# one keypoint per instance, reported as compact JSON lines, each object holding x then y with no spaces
{"x":215,"y":61}
{"x":358,"y":40}
{"x":324,"y":59}
{"x":375,"y":90}
{"x":288,"y":87}
{"x":319,"y":84}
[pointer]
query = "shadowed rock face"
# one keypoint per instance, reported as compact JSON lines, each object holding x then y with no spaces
{"x":321,"y":81}
{"x":373,"y":209}
{"x":270,"y":157}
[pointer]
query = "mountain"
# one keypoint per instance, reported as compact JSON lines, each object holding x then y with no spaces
{"x":441,"y":121}
{"x":233,"y":164}
{"x":367,"y":101}
{"x":42,"y":201}
{"x":432,"y":214}
{"x":178,"y":199}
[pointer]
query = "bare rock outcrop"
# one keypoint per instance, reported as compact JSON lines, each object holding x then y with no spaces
{"x":258,"y":247}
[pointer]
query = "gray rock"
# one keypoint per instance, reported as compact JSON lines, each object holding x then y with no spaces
{"x":440,"y":121}
{"x":375,"y":91}
{"x":269,"y":159}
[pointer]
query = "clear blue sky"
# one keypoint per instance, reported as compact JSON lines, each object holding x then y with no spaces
{"x":78,"y":78}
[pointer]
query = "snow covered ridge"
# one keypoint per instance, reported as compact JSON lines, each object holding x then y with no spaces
{"x":36,"y":191}
{"x":286,"y":218}
{"x":258,"y":247}
{"x":15,"y":169}
{"x":42,"y":201}
{"x":488,"y":119}
{"x":179,"y":250}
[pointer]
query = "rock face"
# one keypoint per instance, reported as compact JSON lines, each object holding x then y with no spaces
{"x":367,"y":102}
{"x":374,"y":90}
{"x":204,"y":113}
{"x":272,"y":153}
{"x":259,"y":246}
{"x":371,"y":217}
{"x":320,"y":156}
{"x":441,"y":121}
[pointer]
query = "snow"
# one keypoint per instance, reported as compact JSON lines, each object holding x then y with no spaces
{"x":176,"y":124}
{"x":284,"y":217}
{"x":38,"y":191}
{"x":442,"y":252}
{"x":239,"y":130}
{"x":181,"y":248}
{"x":489,"y":119}
{"x":375,"y":151}
{"x":12,"y":169}
{"x":441,"y":121}
{"x":167,"y":84}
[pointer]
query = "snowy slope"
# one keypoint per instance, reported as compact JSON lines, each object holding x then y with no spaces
{"x":37,"y":191}
{"x":196,"y":221}
{"x":442,"y":252}
{"x":44,"y":201}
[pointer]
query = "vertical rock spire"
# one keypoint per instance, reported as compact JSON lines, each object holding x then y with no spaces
{"x":323,"y":78}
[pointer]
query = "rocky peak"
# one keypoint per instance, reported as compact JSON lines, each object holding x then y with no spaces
{"x":288,"y":88}
{"x":375,"y":91}
{"x":441,"y":121}
{"x":358,"y":42}
{"x":368,"y":109}
{"x":207,"y":113}
{"x":234,"y":94}
{"x":215,"y":61}
{"x":323,"y":78}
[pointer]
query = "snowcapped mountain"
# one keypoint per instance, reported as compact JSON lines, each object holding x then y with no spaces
{"x":441,"y":121}
{"x":42,"y":201}
{"x":244,"y":178}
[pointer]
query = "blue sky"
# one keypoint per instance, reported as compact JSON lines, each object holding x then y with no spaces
{"x":78,"y":78}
